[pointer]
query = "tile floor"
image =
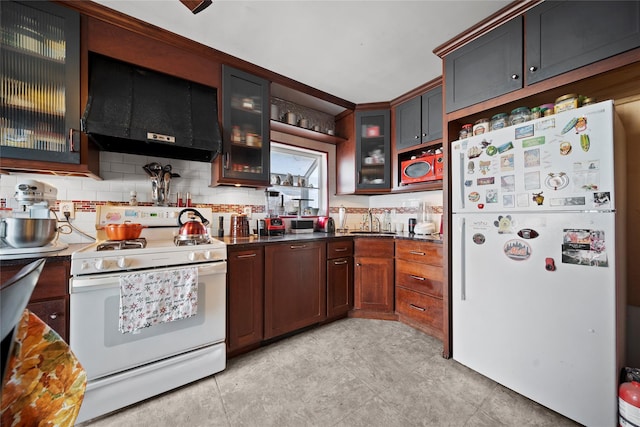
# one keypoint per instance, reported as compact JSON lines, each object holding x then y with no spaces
{"x":353,"y":372}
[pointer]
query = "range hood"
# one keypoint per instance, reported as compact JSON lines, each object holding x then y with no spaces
{"x":135,"y":110}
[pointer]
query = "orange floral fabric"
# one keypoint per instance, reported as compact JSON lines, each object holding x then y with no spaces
{"x":44,"y":382}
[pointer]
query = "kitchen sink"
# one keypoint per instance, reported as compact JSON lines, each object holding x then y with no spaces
{"x":390,"y":233}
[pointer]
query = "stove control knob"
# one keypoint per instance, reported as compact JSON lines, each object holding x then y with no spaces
{"x":193,"y":256}
{"x":84,"y":265}
{"x":123,"y":262}
{"x":101,"y":264}
{"x":207,"y":254}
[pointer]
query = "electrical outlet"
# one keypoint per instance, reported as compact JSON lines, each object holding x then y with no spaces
{"x":247,"y":211}
{"x":67,"y":207}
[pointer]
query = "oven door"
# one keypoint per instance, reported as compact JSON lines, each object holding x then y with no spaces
{"x":103,"y":349}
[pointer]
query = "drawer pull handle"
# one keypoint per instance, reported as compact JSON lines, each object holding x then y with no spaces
{"x":417,"y":277}
{"x":415,"y":307}
{"x":298,"y":246}
{"x":417,"y":253}
{"x":247,"y":255}
{"x":340,"y":262}
{"x":53,"y":316}
{"x":340,"y":249}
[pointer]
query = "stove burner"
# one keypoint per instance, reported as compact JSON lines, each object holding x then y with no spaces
{"x":117,"y":245}
{"x":191,"y":240}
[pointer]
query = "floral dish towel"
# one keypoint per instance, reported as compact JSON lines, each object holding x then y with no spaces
{"x":147,"y":299}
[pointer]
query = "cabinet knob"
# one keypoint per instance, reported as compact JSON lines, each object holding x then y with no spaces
{"x":53,"y":316}
{"x":514,"y":77}
{"x":424,"y":134}
{"x":533,"y":68}
{"x":416,"y":137}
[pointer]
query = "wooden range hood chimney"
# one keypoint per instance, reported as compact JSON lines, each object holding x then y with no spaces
{"x":196,"y":6}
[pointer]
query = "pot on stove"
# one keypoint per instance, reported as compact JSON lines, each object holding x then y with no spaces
{"x":193,"y":229}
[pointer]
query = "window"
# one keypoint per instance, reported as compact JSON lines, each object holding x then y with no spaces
{"x":300,"y":175}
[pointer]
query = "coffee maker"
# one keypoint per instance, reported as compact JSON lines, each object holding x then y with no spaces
{"x":272,"y":224}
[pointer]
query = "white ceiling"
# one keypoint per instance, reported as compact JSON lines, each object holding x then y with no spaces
{"x":361,"y":50}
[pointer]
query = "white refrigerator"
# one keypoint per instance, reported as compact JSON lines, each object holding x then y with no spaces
{"x":537,"y":262}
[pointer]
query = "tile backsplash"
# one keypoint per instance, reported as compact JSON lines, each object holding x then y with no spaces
{"x":123,"y":173}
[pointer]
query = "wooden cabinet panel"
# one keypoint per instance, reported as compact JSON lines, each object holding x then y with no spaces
{"x":563,"y":36}
{"x":245,"y":297}
{"x":339,"y":286}
{"x":54,"y":313}
{"x":420,"y":285}
{"x":295,"y":286}
{"x":419,"y":277}
{"x":423,"y":309}
{"x":340,"y":249}
{"x":486,"y":67}
{"x":50,"y":298}
{"x":374,"y":274}
{"x":423,"y":252}
{"x":381,"y":248}
{"x":374,"y":284}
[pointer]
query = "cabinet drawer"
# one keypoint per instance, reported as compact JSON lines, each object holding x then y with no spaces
{"x":340,"y":249}
{"x":53,"y":281}
{"x":419,"y":307}
{"x":419,"y":277}
{"x":423,"y":252}
{"x":378,"y":248}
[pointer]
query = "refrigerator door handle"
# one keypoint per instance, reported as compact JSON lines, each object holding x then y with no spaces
{"x":461,"y":180}
{"x":463,"y":284}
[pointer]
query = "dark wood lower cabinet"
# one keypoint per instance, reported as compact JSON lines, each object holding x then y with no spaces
{"x":295,"y":286}
{"x":420,"y":286}
{"x":50,"y":298}
{"x":339,"y":278}
{"x":374,"y":274}
{"x":245,"y":297}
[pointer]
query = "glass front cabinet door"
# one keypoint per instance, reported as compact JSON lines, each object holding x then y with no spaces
{"x":245,"y":157}
{"x":373,"y":150}
{"x":39,"y":90}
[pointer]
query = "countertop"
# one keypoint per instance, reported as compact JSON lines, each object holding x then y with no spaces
{"x":238,"y":242}
{"x":263,"y":240}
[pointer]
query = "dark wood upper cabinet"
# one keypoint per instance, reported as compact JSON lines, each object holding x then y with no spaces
{"x":419,"y":120}
{"x":245,"y":130}
{"x":373,"y":150}
{"x":564,"y":35}
{"x":486,"y":67}
{"x":41,"y":83}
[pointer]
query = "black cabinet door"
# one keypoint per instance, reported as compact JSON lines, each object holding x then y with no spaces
{"x":246,"y":132}
{"x":486,"y":67}
{"x":40,"y":51}
{"x":565,"y":35}
{"x":373,"y":154}
{"x":432,"y":115}
{"x":408,"y":123}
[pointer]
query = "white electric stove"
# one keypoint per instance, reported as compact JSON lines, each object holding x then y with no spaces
{"x":124,"y":368}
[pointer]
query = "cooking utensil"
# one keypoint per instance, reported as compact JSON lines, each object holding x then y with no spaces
{"x":124,"y":231}
{"x":193,"y":227}
{"x":27,"y":232}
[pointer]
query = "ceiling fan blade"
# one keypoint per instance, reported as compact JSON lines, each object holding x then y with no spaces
{"x":196,"y":6}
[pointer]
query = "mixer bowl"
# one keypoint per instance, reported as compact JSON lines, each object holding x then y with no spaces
{"x":27,"y":232}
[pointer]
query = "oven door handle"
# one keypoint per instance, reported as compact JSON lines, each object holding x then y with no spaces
{"x":95,"y":282}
